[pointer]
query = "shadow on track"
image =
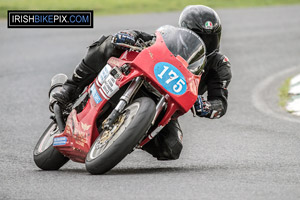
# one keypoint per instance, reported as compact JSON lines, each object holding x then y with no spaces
{"x":168,"y":170}
{"x":142,"y":170}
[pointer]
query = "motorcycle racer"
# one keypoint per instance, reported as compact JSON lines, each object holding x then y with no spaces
{"x":217,"y":73}
{"x":205,"y":22}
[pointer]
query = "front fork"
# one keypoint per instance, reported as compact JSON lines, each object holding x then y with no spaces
{"x":124,"y":101}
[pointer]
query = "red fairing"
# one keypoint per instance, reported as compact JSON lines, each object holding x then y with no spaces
{"x":81,"y":130}
{"x":146,"y":61}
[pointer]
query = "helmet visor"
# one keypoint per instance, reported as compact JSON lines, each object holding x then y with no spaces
{"x":211,"y":41}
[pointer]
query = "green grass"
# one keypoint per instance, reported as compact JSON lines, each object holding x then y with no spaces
{"x":283,"y":92}
{"x":112,"y":7}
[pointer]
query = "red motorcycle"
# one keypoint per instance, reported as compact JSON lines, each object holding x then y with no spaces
{"x":129,"y":102}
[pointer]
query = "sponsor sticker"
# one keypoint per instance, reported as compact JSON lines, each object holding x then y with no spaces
{"x":95,"y":94}
{"x":59,"y":141}
{"x":104,"y":73}
{"x":170,"y":78}
{"x":109,"y":86}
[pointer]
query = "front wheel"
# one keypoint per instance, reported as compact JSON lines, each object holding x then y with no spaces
{"x":113,"y":145}
{"x":45,"y":155}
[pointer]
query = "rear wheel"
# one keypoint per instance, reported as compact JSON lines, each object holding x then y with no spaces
{"x":45,"y":155}
{"x":113,"y":145}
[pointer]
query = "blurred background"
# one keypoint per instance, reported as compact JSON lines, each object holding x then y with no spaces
{"x":113,"y":7}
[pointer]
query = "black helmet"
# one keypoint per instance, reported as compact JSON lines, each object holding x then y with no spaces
{"x":205,"y":22}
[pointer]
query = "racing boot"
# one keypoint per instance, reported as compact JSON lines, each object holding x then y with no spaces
{"x":72,"y":88}
{"x":167,"y":145}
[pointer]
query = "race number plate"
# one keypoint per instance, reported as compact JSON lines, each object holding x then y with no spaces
{"x":170,"y":78}
{"x":109,"y":87}
{"x":104,"y":73}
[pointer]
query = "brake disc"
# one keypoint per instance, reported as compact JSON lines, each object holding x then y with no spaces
{"x":108,"y":134}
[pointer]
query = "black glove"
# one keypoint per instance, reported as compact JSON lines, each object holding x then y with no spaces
{"x":124,"y":37}
{"x":212,"y":109}
{"x":202,"y":107}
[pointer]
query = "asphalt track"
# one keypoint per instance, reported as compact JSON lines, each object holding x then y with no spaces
{"x":251,"y":153}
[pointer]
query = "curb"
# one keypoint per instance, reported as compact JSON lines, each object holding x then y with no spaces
{"x":293,"y":105}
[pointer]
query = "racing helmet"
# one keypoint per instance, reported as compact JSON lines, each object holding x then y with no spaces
{"x":205,"y":22}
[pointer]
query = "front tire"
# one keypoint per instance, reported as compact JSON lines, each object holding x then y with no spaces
{"x":45,"y":155}
{"x":112,"y":146}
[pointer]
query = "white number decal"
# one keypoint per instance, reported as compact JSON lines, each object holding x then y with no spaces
{"x":179,"y":84}
{"x":175,"y":76}
{"x":163,"y":72}
{"x":172,"y":76}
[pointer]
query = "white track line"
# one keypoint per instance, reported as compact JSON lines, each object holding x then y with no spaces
{"x":272,"y":81}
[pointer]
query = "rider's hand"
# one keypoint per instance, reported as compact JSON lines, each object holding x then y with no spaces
{"x":202,"y":107}
{"x":124,"y":37}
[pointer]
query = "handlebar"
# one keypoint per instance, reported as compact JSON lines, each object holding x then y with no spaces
{"x":134,"y":48}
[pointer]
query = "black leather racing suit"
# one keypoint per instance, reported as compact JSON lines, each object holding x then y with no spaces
{"x":215,"y":80}
{"x":168,"y":143}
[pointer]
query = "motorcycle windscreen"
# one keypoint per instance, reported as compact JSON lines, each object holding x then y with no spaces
{"x":187,"y":44}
